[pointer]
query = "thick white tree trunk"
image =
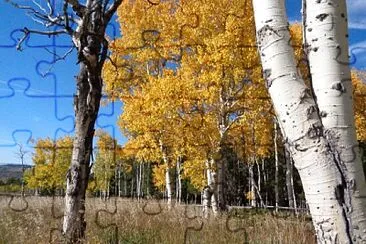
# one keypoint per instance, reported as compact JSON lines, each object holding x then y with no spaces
{"x":209,"y":192}
{"x":298,"y":116}
{"x":168,"y":184}
{"x":326,"y":39}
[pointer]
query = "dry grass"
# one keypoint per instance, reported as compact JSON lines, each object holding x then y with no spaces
{"x":136,"y":223}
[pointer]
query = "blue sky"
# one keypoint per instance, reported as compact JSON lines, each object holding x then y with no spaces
{"x":36,"y":97}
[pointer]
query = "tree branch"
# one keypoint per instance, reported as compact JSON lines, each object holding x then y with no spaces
{"x":111,"y":10}
{"x":77,"y":7}
{"x":27,"y":32}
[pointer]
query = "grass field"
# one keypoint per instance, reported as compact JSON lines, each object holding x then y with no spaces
{"x":147,"y":222}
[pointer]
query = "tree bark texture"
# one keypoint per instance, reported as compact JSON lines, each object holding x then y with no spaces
{"x":326,"y":41}
{"x":314,"y":154}
{"x":92,"y":48}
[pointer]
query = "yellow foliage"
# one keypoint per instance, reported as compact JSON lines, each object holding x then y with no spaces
{"x":359,"y":103}
{"x":51,"y":162}
{"x":159,"y":176}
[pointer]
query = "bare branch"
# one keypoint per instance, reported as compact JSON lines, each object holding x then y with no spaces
{"x":27,"y":32}
{"x":50,"y":8}
{"x":39,"y":6}
{"x":58,"y":58}
{"x":112,"y":9}
{"x":77,"y":7}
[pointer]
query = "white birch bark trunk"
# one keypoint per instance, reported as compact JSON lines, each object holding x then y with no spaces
{"x":253,"y":200}
{"x":179,"y":180}
{"x":326,"y":39}
{"x":297,"y":112}
{"x":168,"y":181}
{"x":290,"y":181}
{"x":209,"y":192}
{"x":168,"y":184}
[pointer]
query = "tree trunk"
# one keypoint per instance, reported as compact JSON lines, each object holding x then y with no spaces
{"x":220,"y":178}
{"x":148,"y":180}
{"x":265,"y":180}
{"x":168,"y":181}
{"x":119,"y":181}
{"x":206,"y":201}
{"x":92,"y":50}
{"x":290,"y":181}
{"x":179,"y":180}
{"x":89,"y":92}
{"x":276,"y":164}
{"x":314,"y":156}
{"x":125,"y":184}
{"x":138,"y":180}
{"x":326,"y":39}
{"x":253,"y":202}
{"x":209,"y":194}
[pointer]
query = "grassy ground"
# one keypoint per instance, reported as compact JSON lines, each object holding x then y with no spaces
{"x":146,"y":222}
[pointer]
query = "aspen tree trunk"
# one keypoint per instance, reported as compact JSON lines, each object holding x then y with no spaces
{"x":326,"y":41}
{"x":148,"y":180}
{"x":253,"y":201}
{"x":290,"y":181}
{"x":179,"y":180}
{"x":276,"y":164}
{"x":142,"y":179}
{"x":168,"y":181}
{"x":138,"y":180}
{"x":259,"y":183}
{"x":132,"y":186}
{"x":92,"y":48}
{"x":220,"y":178}
{"x":119,"y":181}
{"x":265,"y":180}
{"x":312,"y":152}
{"x":209,"y":192}
{"x":125,"y":183}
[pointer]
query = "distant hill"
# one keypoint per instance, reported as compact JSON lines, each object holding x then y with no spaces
{"x":11,"y":171}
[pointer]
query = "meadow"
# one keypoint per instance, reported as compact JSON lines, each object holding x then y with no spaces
{"x":39,"y":219}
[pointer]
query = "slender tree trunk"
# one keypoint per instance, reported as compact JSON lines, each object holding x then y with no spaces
{"x":326,"y":39}
{"x":168,"y":181}
{"x":290,"y":181}
{"x":276,"y":164}
{"x":259,"y":182}
{"x":179,"y":180}
{"x":142,"y":179}
{"x":138,"y":180}
{"x":314,"y":155}
{"x":253,"y":201}
{"x":119,"y":181}
{"x":132,"y":186}
{"x":148,"y":180}
{"x":265,"y":180}
{"x":125,"y":183}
